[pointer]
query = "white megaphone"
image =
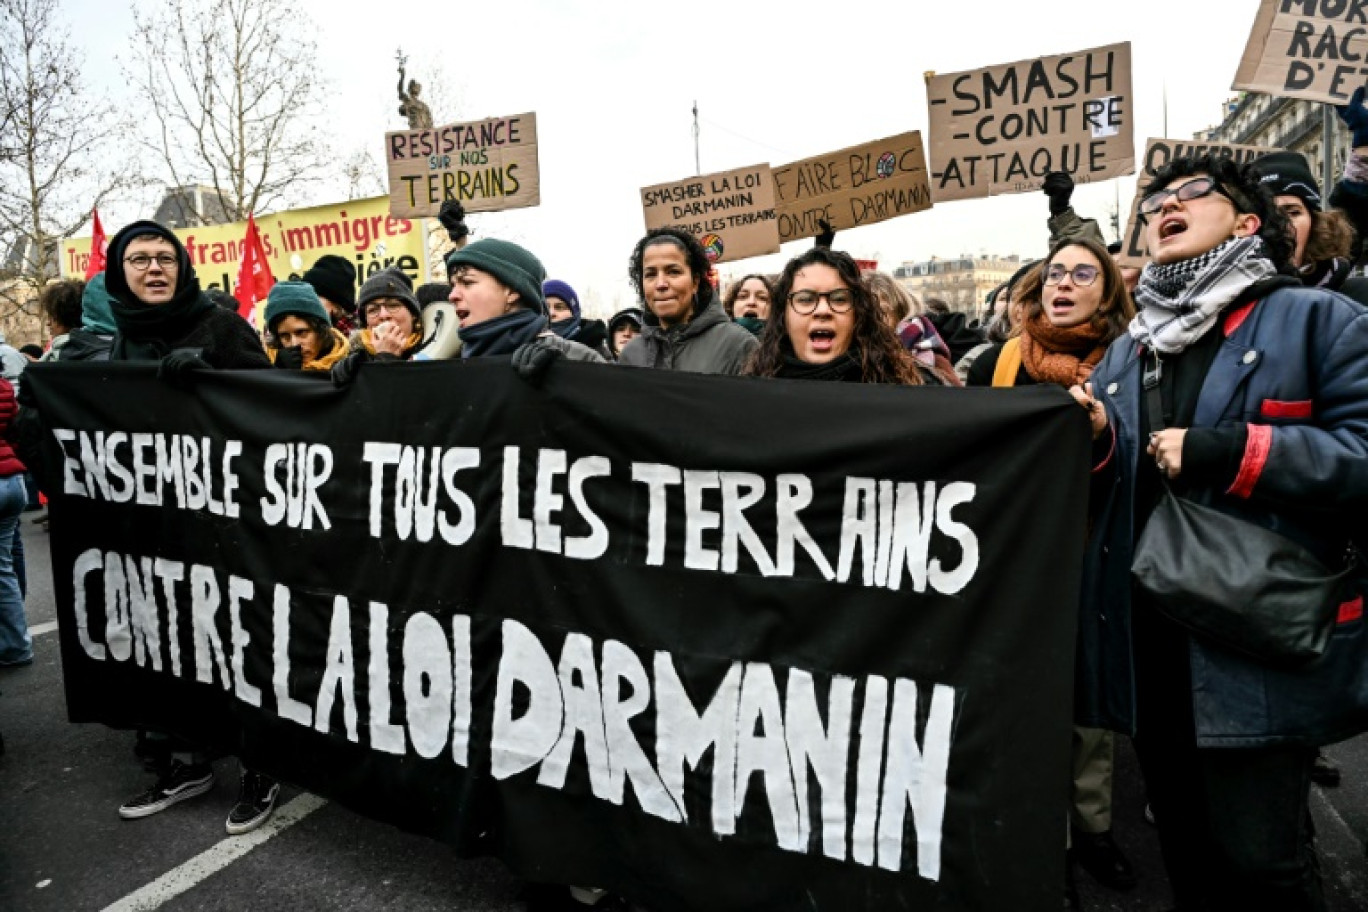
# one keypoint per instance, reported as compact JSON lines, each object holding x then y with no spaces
{"x":440,"y":339}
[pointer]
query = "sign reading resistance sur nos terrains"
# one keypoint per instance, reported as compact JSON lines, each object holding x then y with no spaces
{"x":861,"y":185}
{"x":1002,"y":129}
{"x":1158,"y":153}
{"x":1312,"y":49}
{"x":730,"y":212}
{"x":486,"y":166}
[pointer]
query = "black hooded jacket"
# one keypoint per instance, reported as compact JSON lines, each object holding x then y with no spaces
{"x":189,"y":321}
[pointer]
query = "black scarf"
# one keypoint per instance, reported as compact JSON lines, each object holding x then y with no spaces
{"x":149,"y":330}
{"x":501,"y":335}
{"x":846,"y":368}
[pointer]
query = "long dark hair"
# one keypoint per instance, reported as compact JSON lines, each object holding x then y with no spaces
{"x":882,"y":357}
{"x":1114,"y":313}
{"x":699,"y":264}
{"x":729,"y":300}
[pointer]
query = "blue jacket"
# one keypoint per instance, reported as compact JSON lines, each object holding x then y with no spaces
{"x":1293,"y":368}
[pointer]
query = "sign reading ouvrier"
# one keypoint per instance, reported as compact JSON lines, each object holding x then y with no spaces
{"x":861,"y":185}
{"x":1003,"y":128}
{"x":731,"y":213}
{"x":486,"y":165}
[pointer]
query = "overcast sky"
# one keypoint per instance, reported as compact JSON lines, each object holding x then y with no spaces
{"x":613,"y":83}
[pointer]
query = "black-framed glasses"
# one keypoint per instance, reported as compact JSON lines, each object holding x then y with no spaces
{"x":805,"y":302}
{"x":1193,"y":189}
{"x":141,"y":261}
{"x":1083,"y":275}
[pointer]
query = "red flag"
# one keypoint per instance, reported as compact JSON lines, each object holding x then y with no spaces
{"x":254,"y":279}
{"x":98,"y":244}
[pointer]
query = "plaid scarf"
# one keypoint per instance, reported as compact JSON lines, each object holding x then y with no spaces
{"x":1178,"y":303}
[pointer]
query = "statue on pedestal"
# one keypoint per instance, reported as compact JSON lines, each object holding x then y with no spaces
{"x":410,"y":106}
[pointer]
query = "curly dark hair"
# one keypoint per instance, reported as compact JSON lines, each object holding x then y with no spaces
{"x":699,"y":264}
{"x":61,"y":303}
{"x":321,"y":328}
{"x":882,"y":356}
{"x":1244,"y":187}
{"x":729,"y":299}
{"x":1116,"y":309}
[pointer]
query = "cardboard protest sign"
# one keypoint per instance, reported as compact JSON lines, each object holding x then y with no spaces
{"x":1003,"y":128}
{"x":851,"y":187}
{"x":1311,"y":49}
{"x":1158,"y":153}
{"x":362,"y":231}
{"x":771,"y":669}
{"x":486,"y":166}
{"x":731,"y":212}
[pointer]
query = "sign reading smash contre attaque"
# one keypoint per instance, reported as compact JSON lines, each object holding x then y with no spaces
{"x":1158,"y":153}
{"x":768,"y":670}
{"x":861,"y":185}
{"x":1312,"y":49}
{"x":1003,"y":128}
{"x":730,"y":212}
{"x":486,"y":166}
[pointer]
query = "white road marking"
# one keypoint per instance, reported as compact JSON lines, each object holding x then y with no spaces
{"x":215,"y":858}
{"x":40,"y":629}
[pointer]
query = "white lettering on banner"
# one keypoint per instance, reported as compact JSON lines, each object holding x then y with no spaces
{"x":763,"y":723}
{"x":159,"y":470}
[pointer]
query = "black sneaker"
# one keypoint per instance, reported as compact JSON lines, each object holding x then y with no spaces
{"x":256,"y":801}
{"x":181,"y":781}
{"x":1324,"y":773}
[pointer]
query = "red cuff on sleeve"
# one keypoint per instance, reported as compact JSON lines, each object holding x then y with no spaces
{"x":1257,"y":447}
{"x":1111,"y":451}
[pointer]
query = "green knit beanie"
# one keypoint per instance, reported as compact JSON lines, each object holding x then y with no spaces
{"x":293,"y":298}
{"x":512,"y":265}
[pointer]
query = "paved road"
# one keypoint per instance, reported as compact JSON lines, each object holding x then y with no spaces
{"x":63,"y":847}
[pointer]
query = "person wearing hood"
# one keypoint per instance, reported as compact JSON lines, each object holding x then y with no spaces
{"x":685,"y":326}
{"x":299,"y":333}
{"x":1322,"y":240}
{"x":496,"y":288}
{"x":333,"y":279}
{"x":60,"y":304}
{"x":94,"y":338}
{"x":567,"y":320}
{"x":160,"y":313}
{"x":748,"y":303}
{"x":623,"y":328}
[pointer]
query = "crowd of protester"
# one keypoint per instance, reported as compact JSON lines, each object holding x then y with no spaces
{"x":1249,"y":267}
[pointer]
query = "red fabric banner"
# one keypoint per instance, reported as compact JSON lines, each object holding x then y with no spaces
{"x":254,"y":279}
{"x":98,"y":244}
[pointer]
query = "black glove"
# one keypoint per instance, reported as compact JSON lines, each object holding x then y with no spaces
{"x":344,"y":372}
{"x":452,"y":217}
{"x":1355,"y":117}
{"x":532,"y":359}
{"x":1058,"y":187}
{"x":827,"y":236}
{"x":178,"y":367}
{"x":290,"y":358}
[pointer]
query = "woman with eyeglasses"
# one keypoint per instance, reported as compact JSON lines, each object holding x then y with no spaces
{"x":1243,"y":391}
{"x":826,"y":325}
{"x":1069,"y":312}
{"x":393,"y":324}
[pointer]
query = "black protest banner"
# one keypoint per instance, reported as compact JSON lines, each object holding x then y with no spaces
{"x":1311,"y":49}
{"x":1002,"y":129}
{"x":1158,"y":153}
{"x":716,"y":643}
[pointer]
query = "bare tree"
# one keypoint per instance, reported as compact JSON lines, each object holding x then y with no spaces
{"x":232,"y":96}
{"x":56,"y":158}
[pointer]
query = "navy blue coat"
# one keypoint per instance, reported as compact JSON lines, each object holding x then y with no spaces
{"x":1293,"y":368}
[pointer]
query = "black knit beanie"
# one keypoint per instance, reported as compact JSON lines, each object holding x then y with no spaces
{"x":334,"y":278}
{"x":1288,"y":174}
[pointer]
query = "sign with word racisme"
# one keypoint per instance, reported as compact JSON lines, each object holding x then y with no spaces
{"x":1311,"y":49}
{"x":861,"y":185}
{"x":362,"y":231}
{"x":486,"y":166}
{"x":1003,"y":128}
{"x":732,"y":213}
{"x":1158,"y":153}
{"x":770,"y":669}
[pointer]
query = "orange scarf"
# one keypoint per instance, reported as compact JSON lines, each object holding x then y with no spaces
{"x":1062,"y":356}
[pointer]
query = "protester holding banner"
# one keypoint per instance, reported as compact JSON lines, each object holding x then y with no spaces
{"x":747,"y":302}
{"x":334,"y":280}
{"x":623,"y":328}
{"x":393,"y":324}
{"x":567,"y":321}
{"x":831,"y":327}
{"x":299,"y":333}
{"x":161,"y":314}
{"x":685,"y":326}
{"x":1238,"y":389}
